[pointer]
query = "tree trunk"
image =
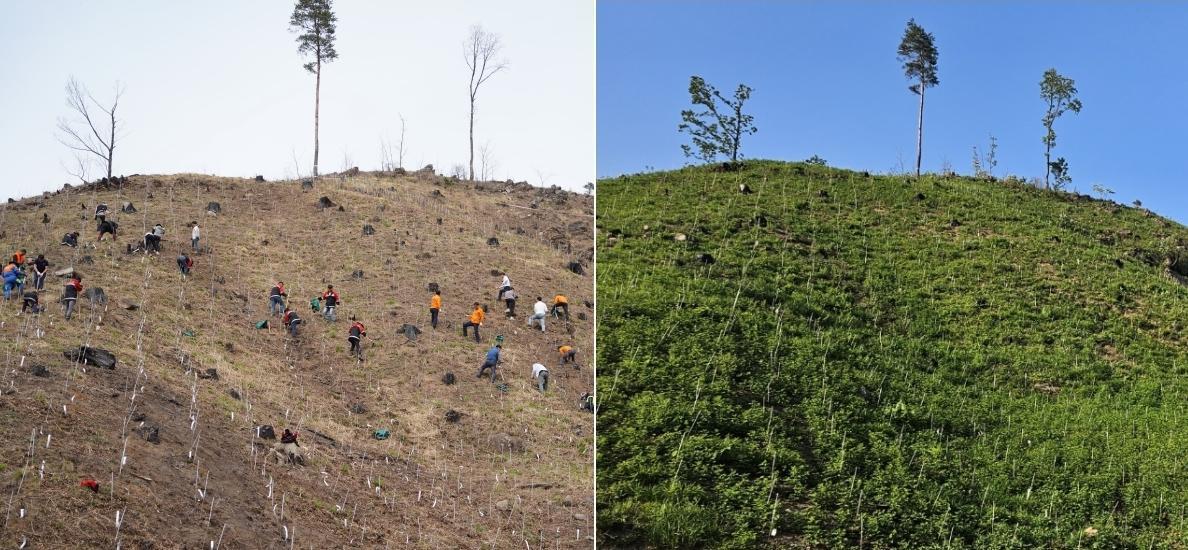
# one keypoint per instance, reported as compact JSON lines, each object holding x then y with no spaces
{"x":920,"y":131}
{"x":317,"y":102}
{"x":472,"y":137}
{"x":111,"y":143}
{"x":1047,"y":159}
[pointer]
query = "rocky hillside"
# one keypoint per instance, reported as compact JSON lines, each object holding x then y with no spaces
{"x":795,"y":356}
{"x":171,"y":435}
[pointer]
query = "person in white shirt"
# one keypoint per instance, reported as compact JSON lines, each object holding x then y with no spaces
{"x":541,"y":374}
{"x":503,"y":286}
{"x":194,"y":237}
{"x":539,"y":311}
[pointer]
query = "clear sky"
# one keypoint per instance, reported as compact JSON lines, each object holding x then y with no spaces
{"x":218,"y":87}
{"x":827,"y":83}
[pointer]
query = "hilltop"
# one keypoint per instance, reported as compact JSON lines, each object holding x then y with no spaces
{"x":797,"y":356}
{"x":171,"y":434}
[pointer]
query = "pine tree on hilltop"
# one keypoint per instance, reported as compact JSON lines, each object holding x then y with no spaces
{"x":918,"y":54}
{"x":315,"y":19}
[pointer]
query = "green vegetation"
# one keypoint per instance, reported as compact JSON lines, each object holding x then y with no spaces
{"x":847,"y":360}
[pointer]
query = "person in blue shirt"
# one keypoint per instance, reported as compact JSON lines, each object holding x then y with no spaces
{"x":492,"y":361}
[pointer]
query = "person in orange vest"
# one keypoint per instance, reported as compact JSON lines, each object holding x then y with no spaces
{"x":70,"y":293}
{"x":330,"y":302}
{"x":356,"y":332}
{"x":434,"y":308}
{"x":568,"y":355}
{"x":560,"y":302}
{"x":476,"y":320}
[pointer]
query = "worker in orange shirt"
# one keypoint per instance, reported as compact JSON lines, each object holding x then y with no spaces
{"x":561,"y":303}
{"x":435,"y":307}
{"x":568,"y":355}
{"x":476,"y":320}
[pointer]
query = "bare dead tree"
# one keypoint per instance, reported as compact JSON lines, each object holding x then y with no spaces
{"x":487,"y":162}
{"x":80,"y":169}
{"x":386,"y":162}
{"x":400,"y":150}
{"x":95,"y":130}
{"x":481,"y":51}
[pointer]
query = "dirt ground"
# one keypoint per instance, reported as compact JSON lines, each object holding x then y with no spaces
{"x":175,"y":451}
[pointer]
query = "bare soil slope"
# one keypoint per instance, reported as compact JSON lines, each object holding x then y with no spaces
{"x":176,"y":452}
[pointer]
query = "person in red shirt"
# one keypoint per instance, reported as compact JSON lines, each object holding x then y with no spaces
{"x":330,"y":301}
{"x":291,"y":319}
{"x":70,"y":293}
{"x":356,"y":332}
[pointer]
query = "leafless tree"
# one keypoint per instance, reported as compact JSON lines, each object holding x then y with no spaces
{"x":487,"y":162}
{"x":481,"y":51}
{"x":80,"y":169}
{"x":386,"y":162}
{"x":400,"y":150}
{"x":95,"y":131}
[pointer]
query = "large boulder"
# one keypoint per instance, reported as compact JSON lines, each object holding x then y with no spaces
{"x":87,"y":355}
{"x":95,"y":295}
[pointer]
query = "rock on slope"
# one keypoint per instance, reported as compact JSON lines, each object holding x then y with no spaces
{"x":170,"y":434}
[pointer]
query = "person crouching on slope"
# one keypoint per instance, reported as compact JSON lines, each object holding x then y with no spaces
{"x":561,"y":303}
{"x":568,"y":355}
{"x":434,"y":308}
{"x":30,"y":302}
{"x":356,"y":332}
{"x":70,"y":294}
{"x":504,"y":285}
{"x":509,"y":298}
{"x":491,"y":361}
{"x":106,"y":228}
{"x":476,"y":320}
{"x":184,"y":263}
{"x":330,"y":302}
{"x":541,"y":374}
{"x":276,"y":299}
{"x":291,"y":320}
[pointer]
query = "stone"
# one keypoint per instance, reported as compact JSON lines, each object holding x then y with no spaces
{"x":357,"y":274}
{"x":449,"y":379}
{"x":453,"y":416}
{"x":39,"y":371}
{"x":325,"y":202}
{"x":260,"y":178}
{"x":95,"y":295}
{"x":503,"y":505}
{"x":150,"y":433}
{"x":209,"y":374}
{"x":493,"y":241}
{"x":87,"y":355}
{"x":576,"y":267}
{"x":265,"y":432}
{"x":433,"y":287}
{"x":358,"y":408}
{"x":213,"y":208}
{"x":234,"y":394}
{"x":306,"y":185}
{"x":368,"y":230}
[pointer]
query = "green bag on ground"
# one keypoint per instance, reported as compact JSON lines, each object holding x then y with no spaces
{"x":381,"y":434}
{"x":315,"y":304}
{"x":262,"y":324}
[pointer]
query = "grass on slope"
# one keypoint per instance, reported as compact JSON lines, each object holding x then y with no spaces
{"x":873,"y":362}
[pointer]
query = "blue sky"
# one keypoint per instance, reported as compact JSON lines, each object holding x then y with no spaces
{"x":218,"y":87}
{"x":827,"y":83}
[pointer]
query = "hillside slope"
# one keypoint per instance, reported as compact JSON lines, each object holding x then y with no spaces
{"x":837,"y":359}
{"x":515,"y":469}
